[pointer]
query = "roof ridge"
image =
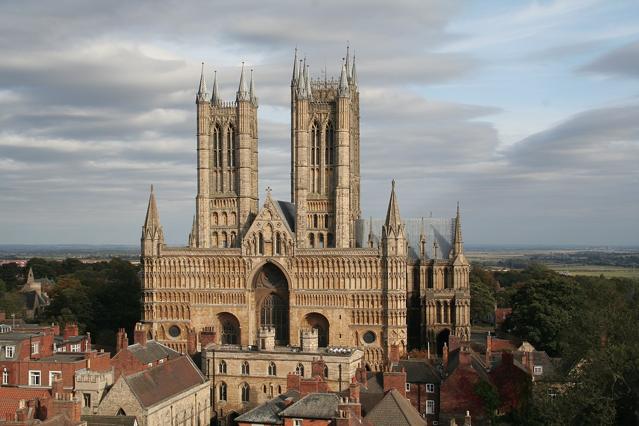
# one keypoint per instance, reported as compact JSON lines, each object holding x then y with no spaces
{"x":397,"y":401}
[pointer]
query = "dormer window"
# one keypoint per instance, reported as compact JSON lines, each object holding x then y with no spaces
{"x":9,"y":351}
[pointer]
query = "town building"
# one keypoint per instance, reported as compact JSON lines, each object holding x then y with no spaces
{"x":172,"y":392}
{"x":312,"y":261}
{"x":33,"y":355}
{"x":244,"y":377}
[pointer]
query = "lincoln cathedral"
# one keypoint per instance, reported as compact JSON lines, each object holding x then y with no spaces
{"x":309,"y":263}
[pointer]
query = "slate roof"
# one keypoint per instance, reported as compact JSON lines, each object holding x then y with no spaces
{"x":152,"y":352}
{"x":314,"y":406}
{"x":394,"y":410}
{"x":268,"y":412}
{"x":371,"y":394}
{"x":476,"y":363}
{"x":165,"y":380}
{"x":436,"y":229}
{"x":287,"y":211}
{"x":110,"y":420}
{"x":418,"y":371}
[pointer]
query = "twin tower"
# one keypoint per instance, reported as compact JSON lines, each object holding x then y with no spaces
{"x":325,"y":160}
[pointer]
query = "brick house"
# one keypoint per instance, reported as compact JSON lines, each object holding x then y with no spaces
{"x":30,"y":356}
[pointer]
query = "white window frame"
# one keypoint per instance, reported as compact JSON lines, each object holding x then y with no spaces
{"x":298,"y":422}
{"x":52,"y":375}
{"x":538,"y":370}
{"x":35,"y":348}
{"x":430,"y":406}
{"x":9,"y":351}
{"x":76,"y":348}
{"x":5,"y":376}
{"x":32,"y":375}
{"x":407,"y":387}
{"x":430,"y":387}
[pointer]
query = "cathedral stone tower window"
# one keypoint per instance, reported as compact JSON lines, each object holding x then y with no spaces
{"x":299,"y":370}
{"x":315,"y":158}
{"x":222,"y":367}
{"x":246,"y":370}
{"x":245,"y":392}
{"x":222,"y":392}
{"x":272,"y":369}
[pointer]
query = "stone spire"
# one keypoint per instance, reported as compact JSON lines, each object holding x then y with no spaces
{"x":301,"y":81}
{"x":30,"y":278}
{"x":201,"y":92}
{"x":458,"y":247}
{"x":215,"y":96}
{"x":152,"y":234}
{"x":242,"y":91}
{"x":307,"y":81}
{"x":295,"y":76}
{"x":252,"y":90}
{"x":370,"y":233}
{"x":422,"y":241}
{"x":354,"y":74}
{"x":393,"y":219}
{"x":343,"y":82}
{"x":193,"y":233}
{"x":348,"y":62}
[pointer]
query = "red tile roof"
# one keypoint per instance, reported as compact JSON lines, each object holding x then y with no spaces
{"x":10,"y":399}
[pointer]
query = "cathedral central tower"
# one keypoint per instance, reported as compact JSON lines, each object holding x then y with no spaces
{"x":325,"y":184}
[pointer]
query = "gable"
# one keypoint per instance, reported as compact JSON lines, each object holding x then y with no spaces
{"x":270,"y":234}
{"x":120,"y":397}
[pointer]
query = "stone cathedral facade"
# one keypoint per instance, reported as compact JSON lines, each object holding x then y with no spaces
{"x":312,"y":262}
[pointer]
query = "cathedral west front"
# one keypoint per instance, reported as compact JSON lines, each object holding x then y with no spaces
{"x":311,"y":262}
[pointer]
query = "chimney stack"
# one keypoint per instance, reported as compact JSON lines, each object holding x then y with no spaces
{"x":121,"y":340}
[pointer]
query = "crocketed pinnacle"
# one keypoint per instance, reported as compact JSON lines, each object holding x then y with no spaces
{"x":458,"y":247}
{"x":201,"y":92}
{"x":307,"y":81}
{"x":215,"y":96}
{"x":252,"y":90}
{"x":354,"y":74}
{"x":242,"y":91}
{"x":295,"y":73}
{"x":343,"y":83}
{"x":393,"y":219}
{"x":152,"y":216}
{"x":348,"y":62}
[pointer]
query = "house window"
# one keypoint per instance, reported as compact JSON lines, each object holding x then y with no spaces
{"x":222,"y":392}
{"x":86,"y":397}
{"x":9,"y":351}
{"x":430,"y":388}
{"x":538,"y":370}
{"x":34,"y":378}
{"x":54,"y":375}
{"x":245,"y":392}
{"x":5,"y":376}
{"x":221,"y":368}
{"x":407,"y":387}
{"x":75,"y":348}
{"x":272,"y":369}
{"x":35,"y":348}
{"x":245,"y":368}
{"x":430,"y":406}
{"x":297,"y":422}
{"x":299,"y":370}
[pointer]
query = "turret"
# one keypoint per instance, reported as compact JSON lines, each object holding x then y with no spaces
{"x":393,"y":236}
{"x":152,"y":234}
{"x":193,"y":234}
{"x":422,"y":241}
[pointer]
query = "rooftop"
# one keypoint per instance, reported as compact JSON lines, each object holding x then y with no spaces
{"x":314,"y":406}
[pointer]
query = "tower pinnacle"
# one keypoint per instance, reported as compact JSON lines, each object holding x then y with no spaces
{"x":242,"y":91}
{"x":458,"y":247}
{"x":215,"y":96}
{"x":201,"y":92}
{"x":252,"y":90}
{"x":295,"y":76}
{"x":343,"y":82}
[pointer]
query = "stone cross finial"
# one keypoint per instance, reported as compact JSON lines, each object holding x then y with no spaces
{"x":268,"y":191}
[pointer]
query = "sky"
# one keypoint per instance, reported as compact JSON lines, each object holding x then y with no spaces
{"x":526,"y":112}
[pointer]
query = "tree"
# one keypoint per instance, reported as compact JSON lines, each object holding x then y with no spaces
{"x":70,"y":301}
{"x":543,"y":308}
{"x":490,"y":398}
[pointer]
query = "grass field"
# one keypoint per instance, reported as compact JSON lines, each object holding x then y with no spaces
{"x":595,"y":270}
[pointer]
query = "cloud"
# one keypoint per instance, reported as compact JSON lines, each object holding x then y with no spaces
{"x":620,"y":62}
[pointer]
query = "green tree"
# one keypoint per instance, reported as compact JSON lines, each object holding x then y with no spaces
{"x":70,"y":301}
{"x":543,"y":308}
{"x":490,"y":398}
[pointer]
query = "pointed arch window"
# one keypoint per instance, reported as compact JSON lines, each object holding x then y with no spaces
{"x":222,"y":367}
{"x":230,"y":147}
{"x":315,"y":157}
{"x":299,"y":370}
{"x":222,"y":392}
{"x":326,"y":371}
{"x":217,"y":146}
{"x":272,"y":369}
{"x":329,"y":145}
{"x":245,"y":392}
{"x":245,"y":369}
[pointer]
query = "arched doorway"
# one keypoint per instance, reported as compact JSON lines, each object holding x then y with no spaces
{"x":229,"y":329}
{"x":442,"y":338}
{"x":271,"y":296}
{"x":320,"y":323}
